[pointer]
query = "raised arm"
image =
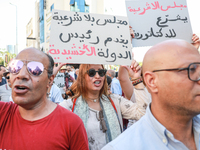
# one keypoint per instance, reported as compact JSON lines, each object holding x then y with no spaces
{"x":125,"y":74}
{"x":56,"y":69}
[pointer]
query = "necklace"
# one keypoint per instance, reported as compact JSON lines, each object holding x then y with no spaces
{"x":94,"y":100}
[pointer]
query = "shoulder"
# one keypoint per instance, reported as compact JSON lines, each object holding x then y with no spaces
{"x":67,"y":104}
{"x":138,"y":136}
{"x":5,"y":106}
{"x":70,"y":116}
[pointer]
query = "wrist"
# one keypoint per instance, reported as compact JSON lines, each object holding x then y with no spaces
{"x":137,"y":81}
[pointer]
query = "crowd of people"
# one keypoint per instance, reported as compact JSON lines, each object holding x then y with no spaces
{"x":153,"y":106}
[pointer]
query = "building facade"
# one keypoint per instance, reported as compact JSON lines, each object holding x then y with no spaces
{"x":40,"y":31}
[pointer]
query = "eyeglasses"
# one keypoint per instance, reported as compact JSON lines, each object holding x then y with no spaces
{"x":34,"y":68}
{"x":193,"y":71}
{"x":92,"y":72}
{"x":7,"y":77}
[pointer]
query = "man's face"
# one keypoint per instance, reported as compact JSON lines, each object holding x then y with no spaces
{"x":176,"y":91}
{"x":3,"y":69}
{"x":63,"y":71}
{"x":29,"y":90}
{"x":68,"y":69}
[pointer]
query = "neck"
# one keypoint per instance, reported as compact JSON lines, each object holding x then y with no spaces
{"x":179,"y":125}
{"x":38,"y":111}
{"x":93,"y":95}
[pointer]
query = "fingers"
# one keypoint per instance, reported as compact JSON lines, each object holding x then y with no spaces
{"x":195,"y":38}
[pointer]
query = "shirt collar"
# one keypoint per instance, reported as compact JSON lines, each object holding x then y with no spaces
{"x":158,"y":127}
{"x":161,"y":131}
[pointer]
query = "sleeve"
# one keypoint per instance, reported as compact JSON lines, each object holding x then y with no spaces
{"x":67,"y":104}
{"x":107,"y":147}
{"x":135,"y":111}
{"x":5,"y":111}
{"x":79,"y":140}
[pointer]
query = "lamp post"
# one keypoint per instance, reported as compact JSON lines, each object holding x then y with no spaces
{"x":16,"y":30}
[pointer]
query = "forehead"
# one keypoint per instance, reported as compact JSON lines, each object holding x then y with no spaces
{"x":33,"y":55}
{"x":94,"y":66}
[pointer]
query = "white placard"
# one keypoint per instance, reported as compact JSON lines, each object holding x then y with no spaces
{"x":59,"y":80}
{"x":89,"y":38}
{"x":156,"y":21}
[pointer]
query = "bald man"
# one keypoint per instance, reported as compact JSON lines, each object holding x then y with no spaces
{"x":34,"y":122}
{"x":171,"y":71}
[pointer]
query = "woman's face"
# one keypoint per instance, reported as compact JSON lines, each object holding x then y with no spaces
{"x":96,"y":82}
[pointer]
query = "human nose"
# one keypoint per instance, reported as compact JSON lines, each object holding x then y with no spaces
{"x":23,"y":73}
{"x":97,"y":75}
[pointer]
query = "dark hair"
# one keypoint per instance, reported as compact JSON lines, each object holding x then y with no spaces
{"x":1,"y":66}
{"x":116,"y":74}
{"x":50,"y":66}
{"x":109,"y":80}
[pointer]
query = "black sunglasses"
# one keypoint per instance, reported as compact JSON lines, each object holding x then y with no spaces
{"x":7,"y":77}
{"x":193,"y":71}
{"x":92,"y":72}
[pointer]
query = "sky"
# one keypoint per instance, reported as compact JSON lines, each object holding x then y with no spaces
{"x":26,"y":10}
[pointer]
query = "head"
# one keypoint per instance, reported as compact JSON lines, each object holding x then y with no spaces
{"x":172,"y":90}
{"x":29,"y":87}
{"x":69,"y":69}
{"x":77,"y":71}
{"x":63,"y":69}
{"x":7,"y":77}
{"x":2,"y":70}
{"x":85,"y":83}
{"x":109,"y":80}
{"x":111,"y":73}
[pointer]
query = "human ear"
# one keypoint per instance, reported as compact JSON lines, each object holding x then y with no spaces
{"x":50,"y":81}
{"x":150,"y":79}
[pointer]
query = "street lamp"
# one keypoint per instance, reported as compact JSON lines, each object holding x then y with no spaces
{"x":16,"y":30}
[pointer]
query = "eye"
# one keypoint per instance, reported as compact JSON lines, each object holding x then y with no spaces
{"x":193,"y":68}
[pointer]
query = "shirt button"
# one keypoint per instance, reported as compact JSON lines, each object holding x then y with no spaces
{"x":169,"y":135}
{"x":164,"y":141}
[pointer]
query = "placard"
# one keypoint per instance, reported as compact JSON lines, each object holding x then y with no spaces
{"x":60,"y":81}
{"x":86,"y":38}
{"x":156,"y":21}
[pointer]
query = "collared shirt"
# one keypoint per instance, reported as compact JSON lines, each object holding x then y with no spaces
{"x":149,"y":134}
{"x":116,"y":87}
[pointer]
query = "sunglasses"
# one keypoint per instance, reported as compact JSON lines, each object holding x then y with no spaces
{"x":92,"y":72}
{"x":34,"y":68}
{"x":7,"y":77}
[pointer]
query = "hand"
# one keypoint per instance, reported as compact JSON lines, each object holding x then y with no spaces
{"x":56,"y":69}
{"x":134,"y":70}
{"x":196,"y":41}
{"x":131,"y":33}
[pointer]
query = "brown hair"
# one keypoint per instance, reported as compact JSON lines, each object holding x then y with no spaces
{"x":79,"y":87}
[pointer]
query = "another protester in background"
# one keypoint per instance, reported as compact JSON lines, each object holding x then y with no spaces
{"x":4,"y":89}
{"x":67,"y":77}
{"x":115,"y":85}
{"x":54,"y":94}
{"x":109,"y":81}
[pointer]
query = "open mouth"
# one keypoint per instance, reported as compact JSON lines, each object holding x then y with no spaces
{"x":97,"y":82}
{"x":21,"y":87}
